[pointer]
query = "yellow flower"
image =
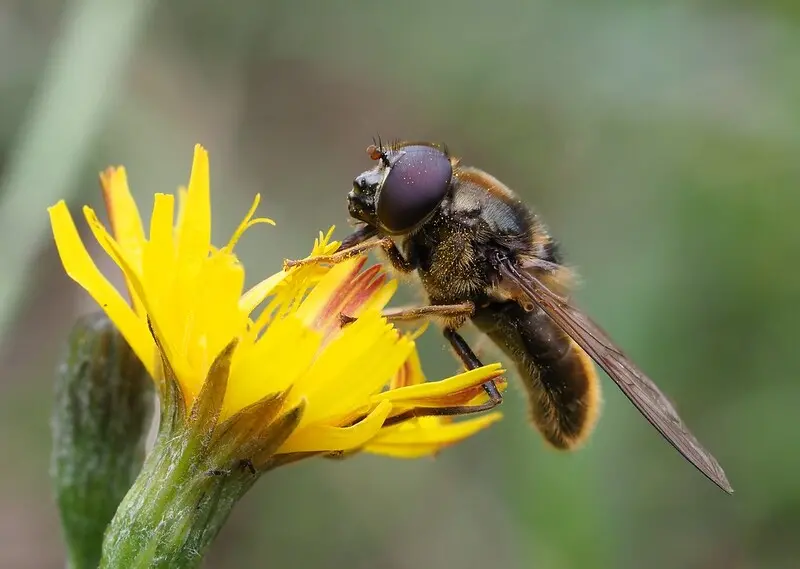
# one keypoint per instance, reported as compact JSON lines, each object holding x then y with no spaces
{"x":277,"y":350}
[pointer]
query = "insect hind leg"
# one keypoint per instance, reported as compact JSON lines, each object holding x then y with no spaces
{"x":471,"y":361}
{"x":455,"y":314}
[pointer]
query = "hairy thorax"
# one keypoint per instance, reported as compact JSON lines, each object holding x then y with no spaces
{"x":451,"y":260}
{"x":478,"y":221}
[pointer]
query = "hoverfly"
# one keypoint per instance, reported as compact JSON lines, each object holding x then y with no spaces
{"x":483,"y":255}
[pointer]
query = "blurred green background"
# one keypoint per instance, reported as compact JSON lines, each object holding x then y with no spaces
{"x":660,"y":141}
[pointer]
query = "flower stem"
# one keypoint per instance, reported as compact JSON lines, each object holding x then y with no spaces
{"x":175,"y":508}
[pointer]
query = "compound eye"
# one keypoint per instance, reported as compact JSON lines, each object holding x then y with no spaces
{"x":415,"y":186}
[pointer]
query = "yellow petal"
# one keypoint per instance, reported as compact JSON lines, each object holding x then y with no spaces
{"x":426,"y":436}
{"x":126,"y":223}
{"x":326,"y":438}
{"x":275,"y":362}
{"x":80,"y":267}
{"x":256,"y":295}
{"x":409,"y":374}
{"x":183,"y":194}
{"x":212,"y":313}
{"x":158,"y":260}
{"x":418,"y":394}
{"x":326,"y":290}
{"x":194,"y":231}
{"x":323,"y":245}
{"x":118,"y":256}
{"x":379,"y":301}
{"x":352,"y":368}
{"x":123,"y":214}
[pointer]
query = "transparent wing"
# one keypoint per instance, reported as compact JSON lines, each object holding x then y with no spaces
{"x":637,"y":387}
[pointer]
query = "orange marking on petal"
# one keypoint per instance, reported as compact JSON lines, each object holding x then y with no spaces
{"x":328,"y":316}
{"x":369,"y":282}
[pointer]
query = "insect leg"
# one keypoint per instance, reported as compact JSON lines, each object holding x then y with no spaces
{"x":242,"y":464}
{"x":471,"y":361}
{"x":448,"y":312}
{"x":355,"y":244}
{"x":339,"y":256}
{"x":467,"y":356}
{"x":393,"y":254}
{"x":351,"y":245}
{"x":413,"y":313}
{"x":441,"y":411}
{"x":358,"y":236}
{"x":396,"y":258}
{"x":218,"y":472}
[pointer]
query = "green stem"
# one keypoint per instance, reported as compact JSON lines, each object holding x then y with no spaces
{"x":174,"y":510}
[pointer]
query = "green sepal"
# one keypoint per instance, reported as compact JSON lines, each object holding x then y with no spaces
{"x":206,"y":410}
{"x":172,"y":410}
{"x":250,"y":431}
{"x":273,"y":436}
{"x":103,"y":405}
{"x":194,"y":475}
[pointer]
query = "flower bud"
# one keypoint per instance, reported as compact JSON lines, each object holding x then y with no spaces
{"x":101,"y":416}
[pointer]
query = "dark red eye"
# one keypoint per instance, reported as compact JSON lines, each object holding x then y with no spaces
{"x":415,"y":186}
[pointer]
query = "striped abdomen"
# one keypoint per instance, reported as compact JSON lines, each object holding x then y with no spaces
{"x":558,"y":376}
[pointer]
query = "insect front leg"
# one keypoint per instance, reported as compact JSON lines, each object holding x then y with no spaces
{"x":339,"y":256}
{"x":357,"y":237}
{"x":356,"y":243}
